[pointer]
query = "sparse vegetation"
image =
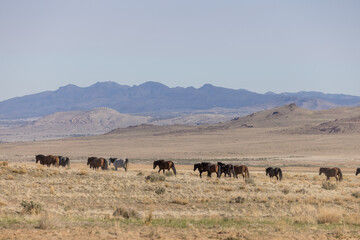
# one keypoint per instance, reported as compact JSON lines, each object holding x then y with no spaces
{"x":160,"y":190}
{"x":356,"y":194}
{"x":328,"y":185}
{"x":155,"y":177}
{"x":31,"y":207}
{"x":126,"y":213}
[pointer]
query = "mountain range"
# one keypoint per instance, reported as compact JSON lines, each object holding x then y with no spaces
{"x":152,"y":98}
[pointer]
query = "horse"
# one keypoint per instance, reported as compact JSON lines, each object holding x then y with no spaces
{"x":357,"y":171}
{"x":40,"y":158}
{"x":119,"y":163}
{"x":274,"y":172}
{"x":164,"y":165}
{"x":51,"y":160}
{"x":210,"y":168}
{"x":243,"y":170}
{"x":227,"y":169}
{"x":64,"y":161}
{"x":95,"y":163}
{"x":331,"y":172}
{"x":202,"y":167}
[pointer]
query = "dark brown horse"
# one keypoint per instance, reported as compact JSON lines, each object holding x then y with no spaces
{"x":357,"y":171}
{"x":227,"y":169}
{"x":210,"y":168}
{"x":331,"y":172}
{"x":95,"y":163}
{"x":243,"y":170}
{"x":274,"y":172}
{"x":51,"y":160}
{"x":202,"y":167}
{"x":162,"y":164}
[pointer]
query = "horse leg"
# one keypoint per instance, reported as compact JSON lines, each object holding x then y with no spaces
{"x":159,"y":170}
{"x":276,"y":178}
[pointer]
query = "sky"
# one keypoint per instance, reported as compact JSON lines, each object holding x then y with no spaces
{"x":261,"y":46}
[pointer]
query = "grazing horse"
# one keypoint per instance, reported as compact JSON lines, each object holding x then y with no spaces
{"x":119,"y":163}
{"x":227,"y":169}
{"x":357,"y":171}
{"x":164,"y":165}
{"x":202,"y":167}
{"x":210,"y":168}
{"x":51,"y":160}
{"x":64,"y":161}
{"x":243,"y":170}
{"x":40,"y":158}
{"x":274,"y":172}
{"x":95,"y":163}
{"x":331,"y":172}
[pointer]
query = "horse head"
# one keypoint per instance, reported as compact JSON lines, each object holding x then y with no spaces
{"x":267,"y":170}
{"x":321,"y":170}
{"x":111,"y":160}
{"x":196,"y":166}
{"x":357,"y":171}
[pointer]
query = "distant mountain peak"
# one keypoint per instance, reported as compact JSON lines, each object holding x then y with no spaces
{"x":154,"y":97}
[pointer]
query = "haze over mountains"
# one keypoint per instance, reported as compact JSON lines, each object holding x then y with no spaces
{"x":152,"y":98}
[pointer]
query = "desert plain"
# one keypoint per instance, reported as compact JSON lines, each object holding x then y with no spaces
{"x":39,"y":202}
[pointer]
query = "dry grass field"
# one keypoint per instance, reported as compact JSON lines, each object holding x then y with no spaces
{"x":38,"y":202}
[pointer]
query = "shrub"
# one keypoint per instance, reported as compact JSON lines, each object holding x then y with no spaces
{"x":286,"y":190}
{"x":148,"y":218}
{"x":49,"y":222}
{"x":126,"y":213}
{"x":328,"y":185}
{"x":154,"y":177}
{"x":328,"y":215}
{"x":83,"y":173}
{"x":249,"y":181}
{"x":169,"y":174}
{"x":181,"y":201}
{"x":31,"y":207}
{"x":160,"y":190}
{"x":303,"y":191}
{"x":239,"y":199}
{"x":356,"y":194}
{"x":19,"y":170}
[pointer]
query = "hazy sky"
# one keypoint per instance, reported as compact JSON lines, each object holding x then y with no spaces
{"x":255,"y":45}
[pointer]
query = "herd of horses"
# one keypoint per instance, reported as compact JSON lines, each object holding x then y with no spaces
{"x":219,"y":168}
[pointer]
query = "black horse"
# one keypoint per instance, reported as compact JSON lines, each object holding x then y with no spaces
{"x":274,"y":172}
{"x":64,"y":161}
{"x":202,"y":167}
{"x":227,"y":169}
{"x":357,"y":171}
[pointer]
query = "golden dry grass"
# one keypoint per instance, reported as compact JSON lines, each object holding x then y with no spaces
{"x":72,"y":202}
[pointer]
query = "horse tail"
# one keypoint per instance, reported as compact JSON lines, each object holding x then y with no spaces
{"x":340,"y":175}
{"x":173,"y":168}
{"x":126,"y":164}
{"x":280,"y":174}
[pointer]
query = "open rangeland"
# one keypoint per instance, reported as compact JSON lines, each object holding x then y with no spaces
{"x":80,"y":203}
{"x":39,"y":202}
